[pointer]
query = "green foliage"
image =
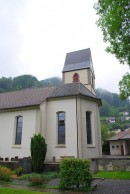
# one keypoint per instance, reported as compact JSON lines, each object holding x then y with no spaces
{"x":51,"y":81}
{"x":38,"y":149}
{"x":124,"y":86}
{"x":5,"y":173}
{"x":111,"y":103}
{"x":51,"y":175}
{"x":25,"y":81}
{"x":19,"y":171}
{"x":5,"y":84}
{"x":105,"y":133}
{"x":114,"y":22}
{"x":36,"y":179}
{"x":75,"y":173}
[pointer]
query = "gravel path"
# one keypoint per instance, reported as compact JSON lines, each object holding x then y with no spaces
{"x":112,"y":187}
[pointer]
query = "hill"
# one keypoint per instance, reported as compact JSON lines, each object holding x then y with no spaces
{"x":112,"y":105}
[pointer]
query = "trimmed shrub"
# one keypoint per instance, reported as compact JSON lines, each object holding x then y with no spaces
{"x":75,"y":174}
{"x":36,"y":179}
{"x":5,"y":173}
{"x":38,"y":149}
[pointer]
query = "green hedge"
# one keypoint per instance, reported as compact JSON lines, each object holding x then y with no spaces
{"x":75,"y":174}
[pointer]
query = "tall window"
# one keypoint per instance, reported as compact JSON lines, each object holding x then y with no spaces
{"x":75,"y":78}
{"x":19,"y":125}
{"x":88,"y":128}
{"x":61,"y":128}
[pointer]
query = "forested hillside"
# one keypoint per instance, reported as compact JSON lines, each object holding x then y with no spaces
{"x":112,"y":105}
{"x":26,"y":81}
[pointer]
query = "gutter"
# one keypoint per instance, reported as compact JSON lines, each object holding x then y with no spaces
{"x":77,"y":129}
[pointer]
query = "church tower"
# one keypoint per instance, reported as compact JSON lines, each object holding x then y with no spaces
{"x":78,"y":67}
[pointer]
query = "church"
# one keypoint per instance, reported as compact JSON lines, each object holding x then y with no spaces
{"x":66,"y":115}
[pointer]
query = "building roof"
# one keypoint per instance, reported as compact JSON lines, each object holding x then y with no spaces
{"x":71,"y":89}
{"x":77,"y":60}
{"x":121,"y":135}
{"x":35,"y":96}
{"x":23,"y":98}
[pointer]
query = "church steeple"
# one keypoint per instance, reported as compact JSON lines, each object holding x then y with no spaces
{"x":78,"y":67}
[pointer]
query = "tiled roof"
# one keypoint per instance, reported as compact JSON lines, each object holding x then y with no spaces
{"x":121,"y":135}
{"x":23,"y":98}
{"x":71,"y":89}
{"x":77,"y":60}
{"x":35,"y":96}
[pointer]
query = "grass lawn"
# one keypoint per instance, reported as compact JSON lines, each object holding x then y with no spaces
{"x":113,"y":175}
{"x":18,"y":191}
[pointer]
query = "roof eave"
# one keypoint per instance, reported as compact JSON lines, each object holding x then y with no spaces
{"x":75,"y":95}
{"x":75,"y":69}
{"x":20,"y":107}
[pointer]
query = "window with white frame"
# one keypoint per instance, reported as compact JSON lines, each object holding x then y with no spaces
{"x":61,"y":127}
{"x":19,"y":126}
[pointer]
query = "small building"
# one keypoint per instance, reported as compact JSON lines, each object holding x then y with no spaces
{"x":120,"y":143}
{"x":125,"y":114}
{"x":110,"y":120}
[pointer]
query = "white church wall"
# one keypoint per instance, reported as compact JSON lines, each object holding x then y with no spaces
{"x":8,"y":130}
{"x":70,"y":147}
{"x":91,"y":150}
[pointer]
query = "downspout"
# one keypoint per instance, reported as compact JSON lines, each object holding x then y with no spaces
{"x":77,"y":129}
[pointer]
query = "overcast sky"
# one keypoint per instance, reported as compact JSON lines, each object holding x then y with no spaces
{"x":35,"y":36}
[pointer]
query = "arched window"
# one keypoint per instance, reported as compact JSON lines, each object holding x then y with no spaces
{"x":61,"y":127}
{"x":76,"y":78}
{"x":19,"y":125}
{"x":88,"y":127}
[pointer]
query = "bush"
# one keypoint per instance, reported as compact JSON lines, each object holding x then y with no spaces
{"x":51,"y":175}
{"x":38,"y":152}
{"x":5,"y":173}
{"x":36,"y":179}
{"x":19,"y":171}
{"x":75,"y":173}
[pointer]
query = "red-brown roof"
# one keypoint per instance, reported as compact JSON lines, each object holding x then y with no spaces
{"x":121,"y":135}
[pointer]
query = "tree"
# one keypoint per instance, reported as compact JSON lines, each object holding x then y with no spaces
{"x":124,"y":86}
{"x":114,"y":21}
{"x":51,"y":81}
{"x":38,"y":149}
{"x":105,"y":135}
{"x":5,"y":84}
{"x":104,"y":109}
{"x":25,"y":81}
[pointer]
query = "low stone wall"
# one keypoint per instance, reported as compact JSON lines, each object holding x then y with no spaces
{"x":97,"y":164}
{"x":51,"y":167}
{"x":110,"y":164}
{"x":25,"y":163}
